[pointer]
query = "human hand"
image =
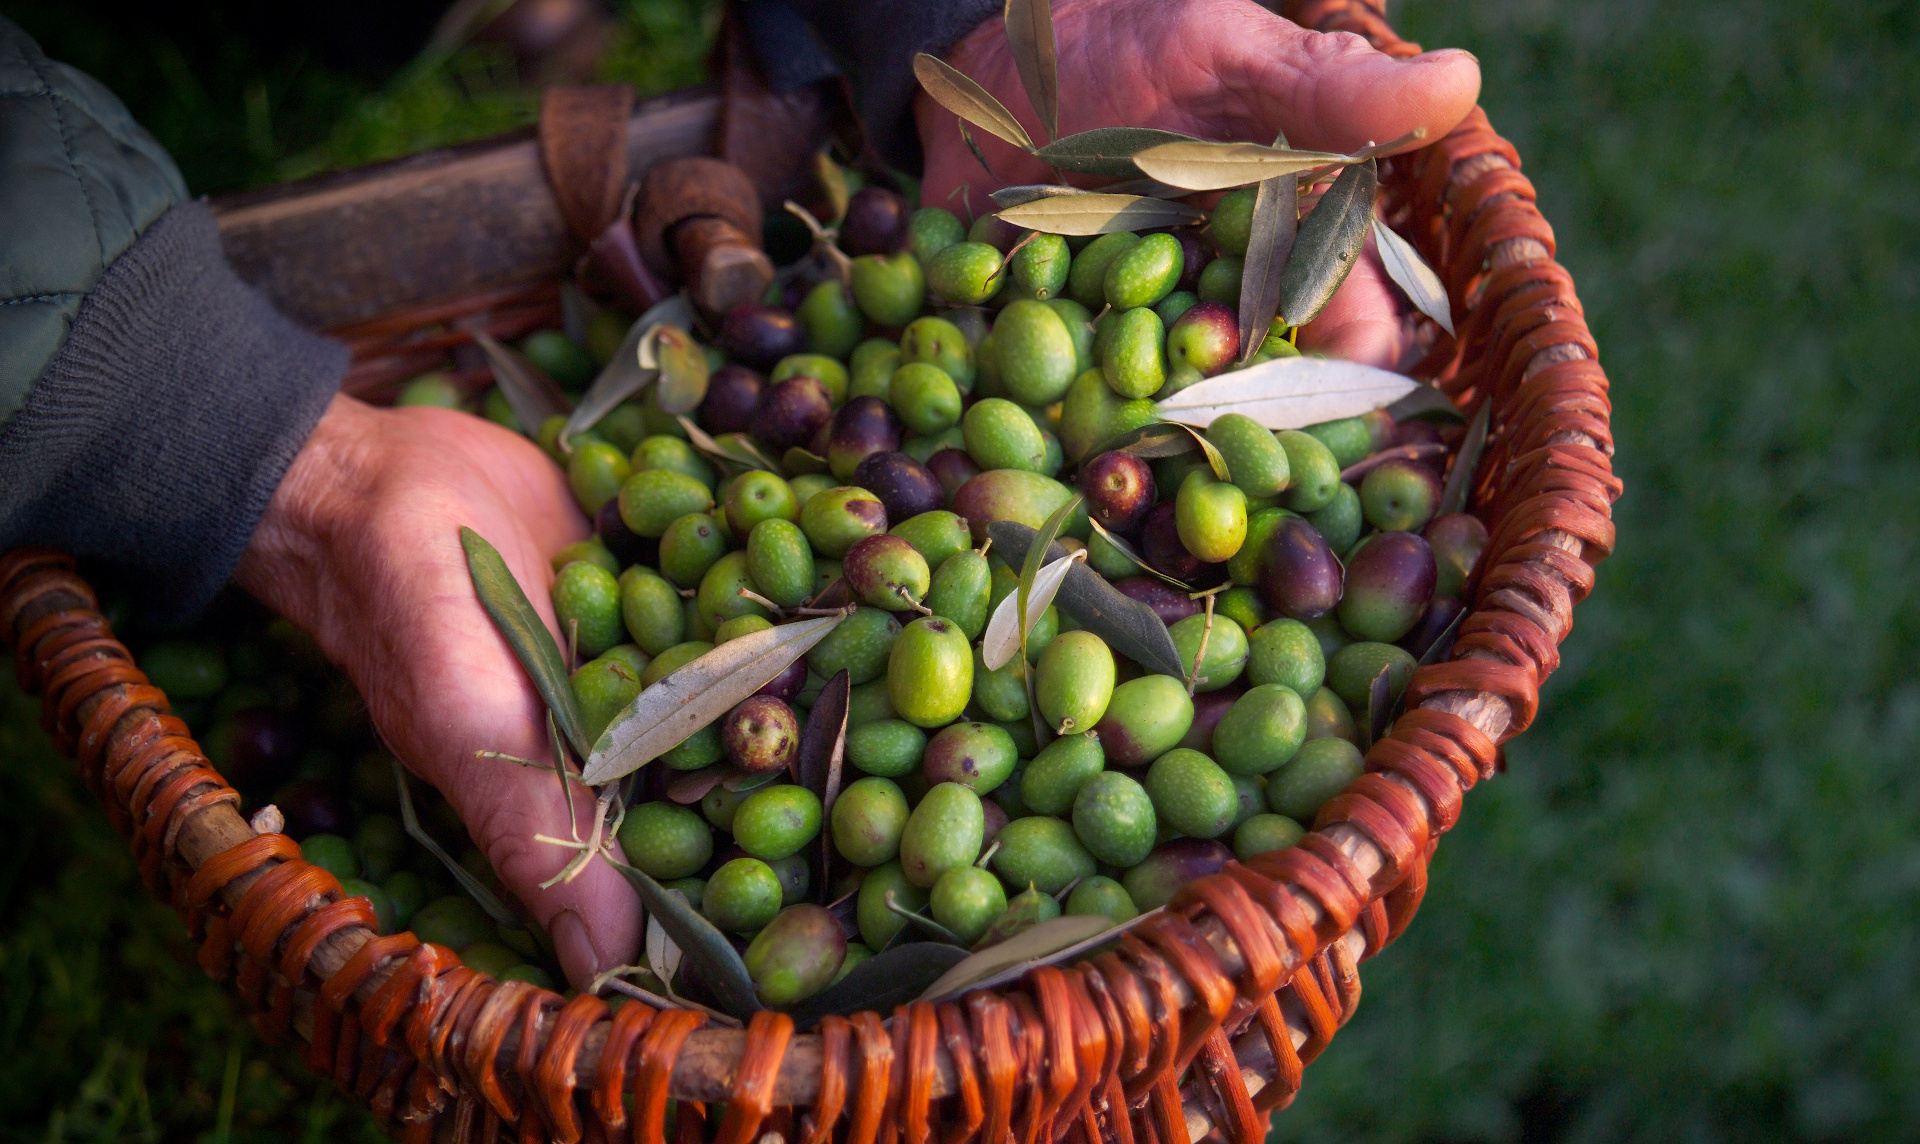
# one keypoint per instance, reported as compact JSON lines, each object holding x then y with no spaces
{"x":361,"y":548}
{"x":1217,"y":69}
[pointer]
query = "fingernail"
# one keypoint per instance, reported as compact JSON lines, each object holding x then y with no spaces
{"x":1439,"y":54}
{"x":575,"y":949}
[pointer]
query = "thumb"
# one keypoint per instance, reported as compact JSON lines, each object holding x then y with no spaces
{"x":1332,"y":91}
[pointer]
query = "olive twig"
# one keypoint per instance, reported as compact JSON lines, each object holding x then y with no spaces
{"x":1200,"y":653}
{"x":750,"y":594}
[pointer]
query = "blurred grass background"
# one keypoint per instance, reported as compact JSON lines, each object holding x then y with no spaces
{"x":1689,"y":911}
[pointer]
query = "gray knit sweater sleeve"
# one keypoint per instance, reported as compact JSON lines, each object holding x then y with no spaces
{"x":158,"y":433}
{"x":872,"y":43}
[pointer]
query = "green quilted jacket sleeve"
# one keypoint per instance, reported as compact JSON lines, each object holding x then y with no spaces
{"x":149,"y":400}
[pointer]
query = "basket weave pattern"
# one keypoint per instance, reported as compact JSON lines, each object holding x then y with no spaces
{"x":1201,"y":1019}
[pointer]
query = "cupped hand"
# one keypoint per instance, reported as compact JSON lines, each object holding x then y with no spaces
{"x":1217,"y":69}
{"x":361,"y":548}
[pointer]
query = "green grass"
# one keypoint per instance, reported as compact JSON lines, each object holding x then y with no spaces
{"x":1691,"y":908}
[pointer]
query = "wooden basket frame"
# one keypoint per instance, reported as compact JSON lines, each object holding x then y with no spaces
{"x":1198,"y":1023}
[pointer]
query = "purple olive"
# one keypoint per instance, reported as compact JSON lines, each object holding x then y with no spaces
{"x":311,"y":808}
{"x":627,"y":546}
{"x":862,"y":427}
{"x":1160,"y":544}
{"x":762,"y":735}
{"x":1441,"y":611}
{"x":733,"y":393}
{"x":1458,"y":538}
{"x":1167,"y":602}
{"x":907,"y":487}
{"x":952,"y":468}
{"x":1209,"y":707}
{"x":996,"y":816}
{"x":876,"y":222}
{"x":788,"y":683}
{"x":995,"y":232}
{"x":759,"y":336}
{"x":1119,"y":488}
{"x":254,"y":747}
{"x":1193,"y":256}
{"x":1302,"y":578}
{"x":791,"y":412}
{"x":1415,"y":433}
{"x":1389,"y":581}
{"x":1154,"y":882}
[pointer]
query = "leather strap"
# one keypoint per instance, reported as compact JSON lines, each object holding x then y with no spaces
{"x":583,"y":145}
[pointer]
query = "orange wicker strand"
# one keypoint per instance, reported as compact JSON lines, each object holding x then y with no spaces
{"x":752,"y":1098}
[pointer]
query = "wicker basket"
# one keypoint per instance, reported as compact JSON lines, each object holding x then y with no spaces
{"x":1201,"y":1019}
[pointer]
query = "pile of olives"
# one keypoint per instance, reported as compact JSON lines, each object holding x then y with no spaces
{"x":958,"y":377}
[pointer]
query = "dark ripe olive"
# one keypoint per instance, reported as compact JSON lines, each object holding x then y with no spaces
{"x":311,"y":808}
{"x":733,"y":393}
{"x":1389,"y":581}
{"x":255,"y":747}
{"x":791,"y":412}
{"x":995,"y":232}
{"x":627,"y":546}
{"x":1160,"y":544}
{"x":862,"y":427}
{"x":1209,"y":707}
{"x":1171,"y":865}
{"x":1416,"y":433}
{"x":759,"y":336}
{"x":876,"y":222}
{"x":1193,"y":255}
{"x":762,"y":735}
{"x":952,"y":468}
{"x":1441,"y":611}
{"x":1458,"y":538}
{"x":788,"y":683}
{"x":995,"y":815}
{"x":1119,"y":488}
{"x":1169,"y":603}
{"x":907,"y":487}
{"x":1302,"y":578}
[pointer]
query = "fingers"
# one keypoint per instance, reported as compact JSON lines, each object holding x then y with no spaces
{"x":1333,"y":91}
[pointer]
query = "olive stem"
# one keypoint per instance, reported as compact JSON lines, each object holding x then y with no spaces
{"x":1008,"y":260}
{"x":1200,"y":653}
{"x":750,"y":594}
{"x":1362,"y":467}
{"x":987,"y":856}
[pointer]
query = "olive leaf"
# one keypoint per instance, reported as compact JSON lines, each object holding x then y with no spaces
{"x":737,"y":780}
{"x":663,"y":953}
{"x":1411,"y":273}
{"x":1379,"y":713}
{"x":798,"y":462}
{"x":683,"y":369}
{"x":530,"y":393}
{"x":979,"y":157}
{"x":1329,"y":243}
{"x":1215,"y":460}
{"x":1095,"y":213}
{"x":1120,"y":545}
{"x":823,"y":742}
{"x":1052,"y":940}
{"x":1426,"y":403}
{"x":1199,"y":165}
{"x":485,"y":898}
{"x":881,"y":983}
{"x":1453,"y":498}
{"x":1030,"y":35}
{"x":665,"y":714}
{"x":714,"y":960}
{"x":833,"y":182}
{"x":1005,"y":638}
{"x":733,"y":448}
{"x":1276,"y":219}
{"x":1031,"y":192}
{"x":689,"y":787}
{"x":1129,"y":627}
{"x":1106,"y":150}
{"x":501,"y":595}
{"x":954,"y":91}
{"x":1149,"y":442}
{"x":1287,"y":393}
{"x":1438,"y":650}
{"x":623,"y":375}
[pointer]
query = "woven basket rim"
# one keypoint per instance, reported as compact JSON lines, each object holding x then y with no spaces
{"x":1267,"y":950}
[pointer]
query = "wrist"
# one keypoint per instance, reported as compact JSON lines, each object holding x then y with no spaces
{"x":286,"y":564}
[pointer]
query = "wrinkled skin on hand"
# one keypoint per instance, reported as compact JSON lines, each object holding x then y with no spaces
{"x":1216,"y":69}
{"x":361,"y":548}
